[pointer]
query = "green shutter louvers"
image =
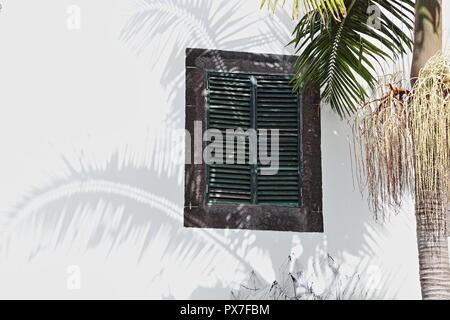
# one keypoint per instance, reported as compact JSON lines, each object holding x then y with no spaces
{"x":236,"y":100}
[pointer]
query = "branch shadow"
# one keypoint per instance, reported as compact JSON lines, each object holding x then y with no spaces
{"x":127,"y":202}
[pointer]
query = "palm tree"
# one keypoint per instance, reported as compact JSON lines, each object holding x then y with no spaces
{"x":431,"y":233}
{"x":339,"y":45}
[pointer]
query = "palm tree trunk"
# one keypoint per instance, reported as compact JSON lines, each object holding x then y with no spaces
{"x":430,"y":216}
{"x":433,"y":249}
{"x":427,"y":33}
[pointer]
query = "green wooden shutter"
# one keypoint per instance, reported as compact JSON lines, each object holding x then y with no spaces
{"x":229,"y":107}
{"x":278,"y":108}
{"x":236,"y":100}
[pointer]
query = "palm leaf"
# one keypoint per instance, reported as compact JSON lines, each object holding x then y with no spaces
{"x":339,"y":56}
{"x":324,"y":7}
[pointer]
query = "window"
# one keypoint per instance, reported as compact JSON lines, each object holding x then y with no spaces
{"x":254,"y":101}
{"x":251,"y":95}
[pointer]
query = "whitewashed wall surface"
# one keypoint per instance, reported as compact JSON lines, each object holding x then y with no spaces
{"x":91,"y":189}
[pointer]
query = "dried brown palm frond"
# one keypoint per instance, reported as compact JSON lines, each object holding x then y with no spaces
{"x":402,"y":141}
{"x":383,"y":145}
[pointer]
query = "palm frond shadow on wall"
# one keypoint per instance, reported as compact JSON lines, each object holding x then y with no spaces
{"x":123,"y":201}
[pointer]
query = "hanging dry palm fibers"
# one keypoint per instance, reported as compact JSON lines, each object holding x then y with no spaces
{"x":402,"y":142}
{"x":428,"y":120}
{"x":383,"y":148}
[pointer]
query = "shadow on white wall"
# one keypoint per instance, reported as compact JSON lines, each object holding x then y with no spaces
{"x":125,"y":212}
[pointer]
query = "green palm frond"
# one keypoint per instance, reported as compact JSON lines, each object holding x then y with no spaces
{"x":339,"y":57}
{"x":324,"y":7}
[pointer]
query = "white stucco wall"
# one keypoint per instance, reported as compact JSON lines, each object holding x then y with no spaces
{"x":88,"y":177}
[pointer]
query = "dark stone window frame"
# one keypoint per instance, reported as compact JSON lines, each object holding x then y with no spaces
{"x":199,"y":214}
